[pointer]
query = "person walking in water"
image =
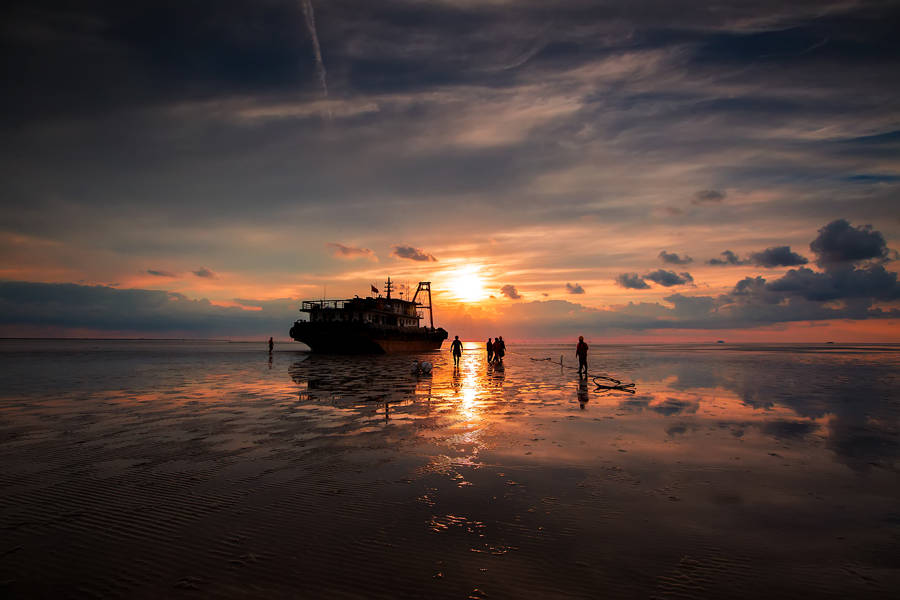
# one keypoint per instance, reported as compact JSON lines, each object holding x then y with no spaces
{"x":490,"y":350}
{"x":499,"y":349}
{"x":456,"y":350}
{"x":271,"y":345}
{"x":581,"y":352}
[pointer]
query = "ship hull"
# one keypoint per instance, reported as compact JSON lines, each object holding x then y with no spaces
{"x":347,"y":338}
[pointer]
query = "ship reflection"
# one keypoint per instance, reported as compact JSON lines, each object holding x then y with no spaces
{"x":475,"y":402}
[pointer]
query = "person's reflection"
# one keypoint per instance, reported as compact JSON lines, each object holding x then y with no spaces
{"x":582,"y":392}
{"x":495,"y":375}
{"x":270,"y":361}
{"x":456,"y":380}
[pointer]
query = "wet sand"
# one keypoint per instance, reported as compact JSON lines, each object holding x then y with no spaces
{"x":145,"y":469}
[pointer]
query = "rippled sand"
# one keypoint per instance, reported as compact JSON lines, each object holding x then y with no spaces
{"x":207,"y":470}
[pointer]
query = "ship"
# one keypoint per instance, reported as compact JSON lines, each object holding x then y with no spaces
{"x":371,"y":325}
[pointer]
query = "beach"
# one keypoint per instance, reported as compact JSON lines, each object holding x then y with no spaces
{"x":213,"y":469}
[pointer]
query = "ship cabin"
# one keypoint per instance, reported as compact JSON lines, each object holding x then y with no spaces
{"x":383,"y":312}
{"x":379,"y":312}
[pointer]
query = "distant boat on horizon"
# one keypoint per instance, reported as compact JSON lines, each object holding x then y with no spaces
{"x":371,"y":325}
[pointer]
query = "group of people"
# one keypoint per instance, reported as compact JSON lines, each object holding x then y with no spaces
{"x":496,"y":348}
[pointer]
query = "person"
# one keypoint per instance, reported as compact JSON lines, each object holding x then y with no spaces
{"x":456,"y":350}
{"x":490,"y":350}
{"x":271,"y":345}
{"x":581,"y":352}
{"x":499,"y":349}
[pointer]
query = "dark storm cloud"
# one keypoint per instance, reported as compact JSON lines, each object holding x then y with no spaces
{"x":510,"y":292}
{"x":871,"y":281}
{"x":728,"y":258}
{"x":105,"y":55}
{"x":70,"y":306}
{"x":632,"y":281}
{"x":156,"y":273}
{"x":708,"y":197}
{"x":840,"y":243}
{"x":205,"y":273}
{"x":778,"y":256}
{"x":412,"y":254}
{"x":672,"y":258}
{"x":113,"y":56}
{"x":574,"y":289}
{"x":669,"y":278}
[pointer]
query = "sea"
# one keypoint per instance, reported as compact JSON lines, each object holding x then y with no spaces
{"x":137,"y":468}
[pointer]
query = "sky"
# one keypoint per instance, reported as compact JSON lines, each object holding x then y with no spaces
{"x":628,"y":171}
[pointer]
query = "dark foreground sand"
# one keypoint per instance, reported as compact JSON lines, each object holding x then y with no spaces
{"x":204,"y":470}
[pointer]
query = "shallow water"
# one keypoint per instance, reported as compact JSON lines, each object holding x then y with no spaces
{"x":205,"y":468}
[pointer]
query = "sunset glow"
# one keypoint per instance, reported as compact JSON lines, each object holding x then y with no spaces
{"x":553,"y":169}
{"x":467,"y":285}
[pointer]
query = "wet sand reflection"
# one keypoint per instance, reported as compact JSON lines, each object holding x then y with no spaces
{"x":723,"y":474}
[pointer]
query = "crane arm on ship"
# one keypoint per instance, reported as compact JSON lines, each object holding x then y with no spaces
{"x":425,"y":286}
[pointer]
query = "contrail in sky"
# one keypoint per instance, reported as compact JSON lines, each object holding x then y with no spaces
{"x":310,"y":18}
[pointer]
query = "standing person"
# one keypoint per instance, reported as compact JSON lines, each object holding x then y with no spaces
{"x":581,"y":352}
{"x":499,"y":349}
{"x":456,"y":350}
{"x":490,"y":350}
{"x":271,"y":345}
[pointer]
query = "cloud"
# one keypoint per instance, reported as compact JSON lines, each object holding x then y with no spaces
{"x":65,"y":306}
{"x":349,"y":252}
{"x":156,"y":273}
{"x":787,"y":430}
{"x":510,"y":292}
{"x":434,"y":127}
{"x":309,"y":17}
{"x":728,"y":258}
{"x":840,"y":243}
{"x":708,"y":197}
{"x":412,"y":254}
{"x":574,"y":289}
{"x":672,"y":258}
{"x":669,"y":278}
{"x":871,"y":281}
{"x":777,"y":256}
{"x":674,"y":406}
{"x":205,"y":273}
{"x":632,"y":281}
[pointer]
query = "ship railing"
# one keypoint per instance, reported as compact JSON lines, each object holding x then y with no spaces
{"x":310,"y":305}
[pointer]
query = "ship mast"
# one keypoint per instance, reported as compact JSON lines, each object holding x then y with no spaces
{"x":387,"y":288}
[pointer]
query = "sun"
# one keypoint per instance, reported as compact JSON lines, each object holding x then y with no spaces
{"x":467,"y":285}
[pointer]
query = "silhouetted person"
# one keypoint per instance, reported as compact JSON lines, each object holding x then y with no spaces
{"x":499,"y":349}
{"x":490,"y":350}
{"x":271,"y":345}
{"x":456,"y":350}
{"x":581,"y":352}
